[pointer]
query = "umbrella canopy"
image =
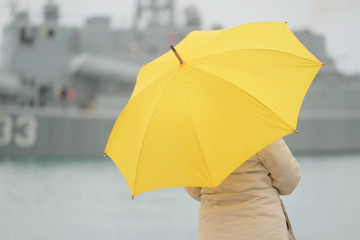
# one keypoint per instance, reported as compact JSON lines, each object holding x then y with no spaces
{"x":192,"y":123}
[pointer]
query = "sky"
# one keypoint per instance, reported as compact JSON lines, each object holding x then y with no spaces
{"x":338,"y":21}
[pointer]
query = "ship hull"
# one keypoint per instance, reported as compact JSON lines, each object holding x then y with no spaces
{"x":72,"y":133}
{"x":56,"y":133}
{"x":326,"y":133}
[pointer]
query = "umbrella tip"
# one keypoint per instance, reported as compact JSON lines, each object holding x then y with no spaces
{"x":324,"y":64}
{"x":105,"y":155}
{"x":296,"y":131}
{"x":177,"y":54}
{"x":132,"y":198}
{"x":286,"y":22}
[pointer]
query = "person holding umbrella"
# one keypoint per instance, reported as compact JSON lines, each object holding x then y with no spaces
{"x":247,"y":204}
{"x":209,"y":115}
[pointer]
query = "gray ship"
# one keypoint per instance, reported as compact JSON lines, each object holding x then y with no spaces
{"x":62,"y":88}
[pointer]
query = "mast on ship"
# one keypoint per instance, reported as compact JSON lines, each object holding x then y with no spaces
{"x":154,"y":13}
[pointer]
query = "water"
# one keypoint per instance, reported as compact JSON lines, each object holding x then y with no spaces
{"x":89,"y":199}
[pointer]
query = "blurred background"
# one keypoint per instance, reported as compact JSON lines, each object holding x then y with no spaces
{"x":67,"y":70}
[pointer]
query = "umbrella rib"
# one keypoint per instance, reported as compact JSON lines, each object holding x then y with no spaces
{"x":197,"y":136}
{"x":147,"y":128}
{"x":247,"y":93}
{"x":213,"y":39}
{"x":151,"y":82}
{"x":133,"y":97}
{"x":261,"y":49}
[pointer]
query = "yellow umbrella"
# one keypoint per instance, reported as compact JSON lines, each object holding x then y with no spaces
{"x":191,"y":123}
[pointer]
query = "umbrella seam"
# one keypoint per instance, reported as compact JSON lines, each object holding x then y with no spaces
{"x":131,"y":99}
{"x":213,"y":39}
{"x":261,"y":49}
{"x":197,"y":135}
{"x":257,"y":100}
{"x":147,"y":128}
{"x":229,"y":29}
{"x":151,"y":82}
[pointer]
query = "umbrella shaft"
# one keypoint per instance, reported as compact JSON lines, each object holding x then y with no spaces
{"x":176,"y":54}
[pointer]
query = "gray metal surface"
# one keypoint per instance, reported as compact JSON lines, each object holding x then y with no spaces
{"x":62,"y":87}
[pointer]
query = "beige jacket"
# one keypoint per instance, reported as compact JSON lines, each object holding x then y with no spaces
{"x":247,"y":204}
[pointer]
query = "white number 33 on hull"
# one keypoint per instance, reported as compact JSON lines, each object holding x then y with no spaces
{"x":22,"y":130}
